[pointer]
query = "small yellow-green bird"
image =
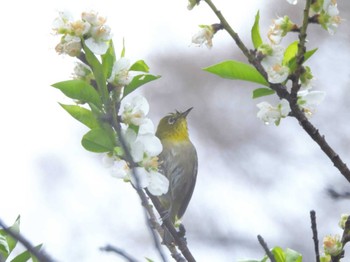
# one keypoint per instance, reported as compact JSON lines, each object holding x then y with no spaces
{"x":178,"y":162}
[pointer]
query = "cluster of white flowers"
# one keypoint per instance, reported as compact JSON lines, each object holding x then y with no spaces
{"x":279,"y":28}
{"x":144,"y":148}
{"x":272,"y":63}
{"x":278,"y":72}
{"x":307,"y":101}
{"x":90,"y":27}
{"x":327,"y":12}
{"x":273,"y":114}
{"x":329,"y":17}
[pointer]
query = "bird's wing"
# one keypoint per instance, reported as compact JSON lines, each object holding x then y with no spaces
{"x":188,"y":187}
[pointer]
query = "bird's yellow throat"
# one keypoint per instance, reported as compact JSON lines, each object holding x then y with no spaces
{"x":176,"y":133}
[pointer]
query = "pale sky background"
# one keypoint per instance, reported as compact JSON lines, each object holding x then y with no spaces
{"x":69,"y":202}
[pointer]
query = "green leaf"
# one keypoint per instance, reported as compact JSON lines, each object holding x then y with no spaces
{"x":4,"y":247}
{"x":98,"y":140}
{"x":290,"y":53}
{"x":80,"y":90}
{"x":278,"y":254}
{"x":309,"y":53}
{"x":138,"y":81}
{"x":259,"y":92}
{"x":289,"y":58}
{"x":98,"y":71}
{"x":232,"y":69}
{"x":81,"y":114}
{"x":255,"y":32}
{"x":293,"y":256}
{"x":26,"y":255}
{"x":123,"y":50}
{"x":140,"y":66}
{"x":11,"y":242}
{"x":108,"y":60}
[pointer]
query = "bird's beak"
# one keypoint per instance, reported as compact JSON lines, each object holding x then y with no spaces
{"x":184,"y":114}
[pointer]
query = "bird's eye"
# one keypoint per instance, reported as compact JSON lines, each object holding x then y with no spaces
{"x":171,"y":120}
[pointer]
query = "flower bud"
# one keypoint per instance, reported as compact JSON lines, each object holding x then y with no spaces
{"x":343,"y":219}
{"x":332,"y":245}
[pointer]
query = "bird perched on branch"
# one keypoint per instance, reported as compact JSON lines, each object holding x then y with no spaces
{"x":179,"y":163}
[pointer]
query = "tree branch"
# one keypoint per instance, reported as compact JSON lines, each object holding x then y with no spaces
{"x":281,"y":90}
{"x":40,"y":255}
{"x":113,"y":110}
{"x":301,"y":51}
{"x":266,"y":249}
{"x":314,"y":234}
{"x":118,"y":251}
{"x":152,"y":222}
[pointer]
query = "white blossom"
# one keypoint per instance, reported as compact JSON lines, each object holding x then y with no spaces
{"x":329,"y":18}
{"x":309,"y":100}
{"x":272,"y":63}
{"x":277,"y":73}
{"x":280,"y":27}
{"x":61,"y":24}
{"x":292,"y":2}
{"x":70,"y":45}
{"x":120,"y":169}
{"x":98,"y":43}
{"x":158,"y":183}
{"x":204,"y":36}
{"x":135,"y":111}
{"x":120,"y":73}
{"x":273,"y":114}
{"x":82,"y":71}
{"x":91,"y":29}
{"x":93,"y":18}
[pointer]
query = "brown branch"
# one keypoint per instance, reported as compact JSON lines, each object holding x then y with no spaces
{"x":301,"y":51}
{"x":144,"y":200}
{"x":40,"y":255}
{"x":266,"y":249}
{"x":179,"y":241}
{"x":118,"y":251}
{"x":321,"y":141}
{"x":185,"y":251}
{"x":281,"y":90}
{"x":314,"y":234}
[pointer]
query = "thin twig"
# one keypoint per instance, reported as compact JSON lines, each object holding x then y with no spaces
{"x":116,"y":126}
{"x":301,"y":51}
{"x":314,"y":234}
{"x":118,"y":251}
{"x":40,"y":255}
{"x":179,"y":241}
{"x":282,"y":92}
{"x":266,"y":249}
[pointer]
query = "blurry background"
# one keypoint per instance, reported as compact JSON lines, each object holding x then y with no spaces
{"x":253,"y":179}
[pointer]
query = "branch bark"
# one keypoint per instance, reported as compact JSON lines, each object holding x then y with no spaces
{"x":281,"y":90}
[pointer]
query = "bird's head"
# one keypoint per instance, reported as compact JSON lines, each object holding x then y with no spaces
{"x":174,"y":126}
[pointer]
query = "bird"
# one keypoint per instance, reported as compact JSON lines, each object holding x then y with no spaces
{"x":179,"y":163}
